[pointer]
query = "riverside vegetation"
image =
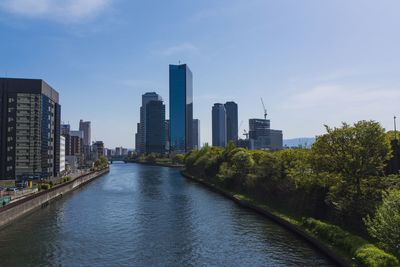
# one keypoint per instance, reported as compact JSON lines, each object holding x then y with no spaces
{"x":99,"y":165}
{"x":337,"y":191}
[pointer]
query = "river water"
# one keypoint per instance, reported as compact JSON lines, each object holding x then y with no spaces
{"x":141,"y":215}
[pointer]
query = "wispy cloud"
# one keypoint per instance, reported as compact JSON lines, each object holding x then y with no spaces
{"x":180,"y":49}
{"x":60,"y":10}
{"x":345,"y":102}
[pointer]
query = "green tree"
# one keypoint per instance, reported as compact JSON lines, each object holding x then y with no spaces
{"x":390,"y":135}
{"x":242,"y":162}
{"x":178,"y":159}
{"x":151,"y":158}
{"x":101,"y":163}
{"x":352,"y":152}
{"x":384,"y":225}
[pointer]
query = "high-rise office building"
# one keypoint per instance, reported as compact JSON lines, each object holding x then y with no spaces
{"x":142,"y":127}
{"x":155,"y":127}
{"x":196,"y":134}
{"x":218,"y":125}
{"x":180,"y":108}
{"x":259,"y":134}
{"x":85,"y":127}
{"x":276,"y":139}
{"x":29,"y":129}
{"x":231,"y":109}
{"x":65,"y":132}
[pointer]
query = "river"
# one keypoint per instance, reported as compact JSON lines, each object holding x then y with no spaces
{"x":141,"y":215}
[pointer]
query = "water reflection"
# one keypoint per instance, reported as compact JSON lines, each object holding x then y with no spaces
{"x":149,"y":216}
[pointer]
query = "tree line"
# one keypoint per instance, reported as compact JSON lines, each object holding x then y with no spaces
{"x":342,"y":179}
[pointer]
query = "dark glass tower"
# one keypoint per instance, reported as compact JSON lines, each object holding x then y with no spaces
{"x":142,"y":127}
{"x":155,"y":127}
{"x":29,"y":129}
{"x":218,"y":125}
{"x":231,"y":109}
{"x":180,"y":108}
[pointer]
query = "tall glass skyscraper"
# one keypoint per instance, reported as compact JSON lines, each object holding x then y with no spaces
{"x":218,"y":125}
{"x":155,"y":127}
{"x":142,"y":127}
{"x":180,"y":108}
{"x":231,"y":109}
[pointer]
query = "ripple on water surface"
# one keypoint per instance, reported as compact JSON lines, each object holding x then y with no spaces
{"x":149,"y":216}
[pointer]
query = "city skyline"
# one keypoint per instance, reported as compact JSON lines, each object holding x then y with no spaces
{"x":313,"y":63}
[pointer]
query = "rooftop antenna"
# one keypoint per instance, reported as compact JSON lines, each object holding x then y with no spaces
{"x":395,"y":130}
{"x":265,"y":110}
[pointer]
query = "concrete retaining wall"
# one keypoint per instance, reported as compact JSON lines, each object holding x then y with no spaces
{"x":19,"y":208}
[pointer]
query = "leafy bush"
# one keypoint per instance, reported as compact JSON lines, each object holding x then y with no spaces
{"x":151,"y":158}
{"x":369,"y":255}
{"x":178,"y":159}
{"x":384,"y":225}
{"x":45,"y":186}
{"x":355,"y":246}
{"x":100,"y":164}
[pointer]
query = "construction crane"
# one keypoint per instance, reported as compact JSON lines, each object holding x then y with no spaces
{"x":265,"y":110}
{"x":245,"y":133}
{"x":240,"y":125}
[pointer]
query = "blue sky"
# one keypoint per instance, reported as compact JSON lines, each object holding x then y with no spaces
{"x":313,"y":62}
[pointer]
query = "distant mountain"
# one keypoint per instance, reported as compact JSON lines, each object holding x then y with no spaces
{"x":297,"y":142}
